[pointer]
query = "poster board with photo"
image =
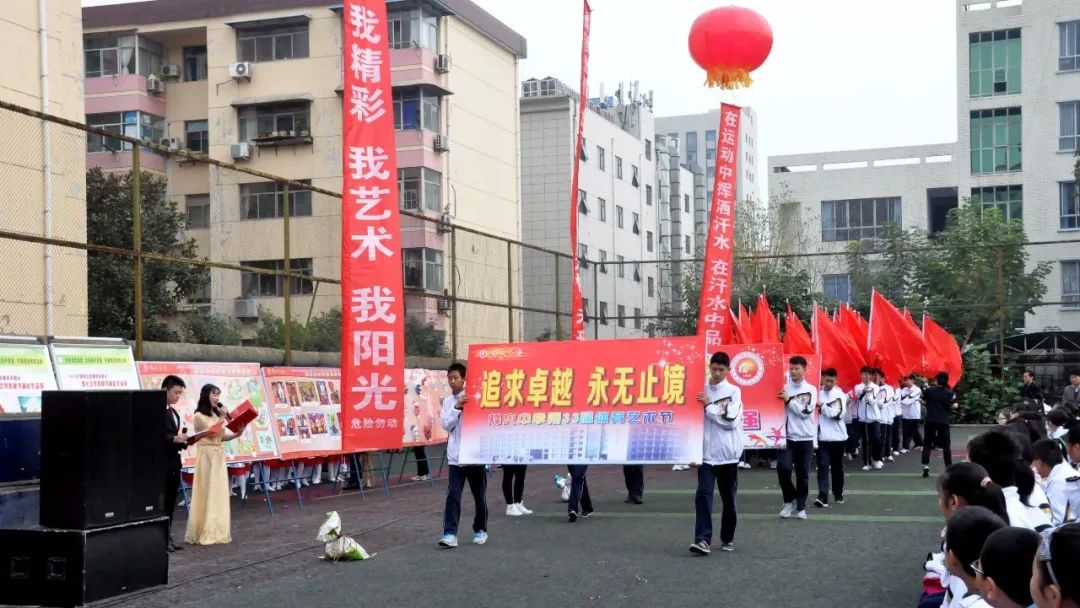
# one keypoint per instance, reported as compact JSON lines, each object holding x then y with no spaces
{"x":305,"y":409}
{"x":425,"y":390}
{"x":89,"y":367}
{"x":25,"y":370}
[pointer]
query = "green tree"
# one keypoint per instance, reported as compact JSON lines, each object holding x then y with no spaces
{"x":548,"y":335}
{"x":209,"y":329}
{"x":981,"y":390}
{"x":423,"y":339}
{"x":111,"y":278}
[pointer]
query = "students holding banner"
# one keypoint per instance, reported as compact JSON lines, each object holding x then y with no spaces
{"x":800,"y":400}
{"x":475,"y":475}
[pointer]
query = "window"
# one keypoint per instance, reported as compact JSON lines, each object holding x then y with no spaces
{"x":1007,"y":199}
{"x":416,"y":109}
{"x":112,"y":55}
{"x":267,"y":120}
{"x":649,"y":241}
{"x":637,"y":272}
{"x":603,"y":261}
{"x":618,"y":167}
{"x":582,"y":154}
{"x":1069,"y":128}
{"x":423,"y":269}
{"x":194,"y":63}
{"x":995,"y":63}
{"x":132,"y":124}
{"x":582,"y":202}
{"x":583,"y":254}
{"x":1070,"y":283}
{"x":838,"y":287}
{"x":710,"y":173}
{"x":603,"y":209}
{"x":710,"y":145}
{"x":197,"y":210}
{"x":687,"y":247}
{"x":256,"y":285}
{"x":651,"y":286}
{"x":204,"y":294}
{"x":691,"y":158}
{"x":197,"y":135}
{"x":995,"y":140}
{"x":621,"y":270}
{"x":621,"y":311}
{"x":601,"y":160}
{"x":1069,"y":57}
{"x":415,"y":28}
{"x":637,"y":318}
{"x":686,"y":203}
{"x":618,"y":216}
{"x":691,"y":141}
{"x":634,"y":176}
{"x":637,"y":224}
{"x":273,"y":44}
{"x":266,"y":200}
{"x":603,"y":313}
{"x":1070,"y":205}
{"x":648,"y":150}
{"x":648,"y":194}
{"x":585,"y":308}
{"x":856,"y":219}
{"x":420,"y":189}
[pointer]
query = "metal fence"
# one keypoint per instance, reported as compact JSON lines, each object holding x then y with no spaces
{"x":112,"y":231}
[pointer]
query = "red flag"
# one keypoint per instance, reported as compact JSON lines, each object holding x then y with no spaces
{"x":766,"y":326}
{"x":942,"y":352}
{"x":895,"y":345}
{"x":856,"y":328}
{"x":837,"y":349}
{"x":744,"y":326}
{"x":796,"y":340}
{"x":577,"y":310}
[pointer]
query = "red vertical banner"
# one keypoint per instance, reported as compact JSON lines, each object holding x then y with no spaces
{"x":372,"y":332}
{"x":576,"y":307}
{"x":714,"y":321}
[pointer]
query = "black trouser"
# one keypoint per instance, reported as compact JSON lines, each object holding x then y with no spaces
{"x":911,"y":433}
{"x":726,"y":478}
{"x":634,"y":476}
{"x":830,"y":461}
{"x":854,"y":433}
{"x":894,"y":428}
{"x":477,"y":478}
{"x":513,"y":485}
{"x":871,"y":442}
{"x":579,"y":490}
{"x":172,"y":486}
{"x":420,"y":454}
{"x":937,"y":433}
{"x":795,"y":458}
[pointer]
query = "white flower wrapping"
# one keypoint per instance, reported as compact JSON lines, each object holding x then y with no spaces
{"x":338,"y":547}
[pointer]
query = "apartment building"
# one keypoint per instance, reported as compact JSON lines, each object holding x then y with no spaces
{"x":1018,"y":110}
{"x":260,"y":84}
{"x":42,"y":170}
{"x":683,"y":220}
{"x":619,"y":208}
{"x":696,"y":134}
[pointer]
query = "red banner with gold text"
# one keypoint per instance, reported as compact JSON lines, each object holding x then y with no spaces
{"x":576,"y":307}
{"x":372,"y":332}
{"x":604,"y":401}
{"x":714,"y":322}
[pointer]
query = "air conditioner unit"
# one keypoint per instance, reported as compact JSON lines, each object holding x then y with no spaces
{"x":247,"y":308}
{"x":155,"y":86}
{"x":445,"y":304}
{"x":241,"y":69}
{"x":170,"y":71}
{"x":445,"y":224}
{"x":442,"y":143}
{"x":442,"y":63}
{"x":240,"y":151}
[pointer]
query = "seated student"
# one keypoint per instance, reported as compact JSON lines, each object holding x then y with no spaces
{"x":966,"y":532}
{"x":1057,"y":426}
{"x":999,"y":452}
{"x":1060,"y":481}
{"x":1004,"y":579}
{"x":1072,"y":444}
{"x":1054,"y":580}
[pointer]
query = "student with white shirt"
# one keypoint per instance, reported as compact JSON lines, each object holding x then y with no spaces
{"x":800,"y":401}
{"x":966,"y":533}
{"x":723,"y":445}
{"x":869,"y":427}
{"x":911,"y":415}
{"x":885,"y":395}
{"x":855,"y":429}
{"x":832,"y":436}
{"x":1054,"y":583}
{"x":1060,"y":481}
{"x":1057,"y":426}
{"x":475,"y":475}
{"x":999,"y":452}
{"x":1003,"y":570}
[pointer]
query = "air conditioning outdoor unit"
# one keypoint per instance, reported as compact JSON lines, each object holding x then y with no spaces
{"x":445,"y":224}
{"x":241,"y":69}
{"x":246,"y":308}
{"x":170,"y":71}
{"x":155,"y":86}
{"x":240,"y":151}
{"x":442,"y":63}
{"x":442,"y":143}
{"x":171,"y":143}
{"x":445,"y":304}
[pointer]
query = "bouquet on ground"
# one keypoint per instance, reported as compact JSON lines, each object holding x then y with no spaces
{"x":338,"y":547}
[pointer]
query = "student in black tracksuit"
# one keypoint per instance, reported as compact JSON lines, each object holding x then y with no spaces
{"x":940,"y":403}
{"x":580,"y":503}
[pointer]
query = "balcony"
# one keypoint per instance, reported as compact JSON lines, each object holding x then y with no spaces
{"x":121,"y":94}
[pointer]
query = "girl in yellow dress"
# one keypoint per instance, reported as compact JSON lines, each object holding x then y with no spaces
{"x":209,"y":519}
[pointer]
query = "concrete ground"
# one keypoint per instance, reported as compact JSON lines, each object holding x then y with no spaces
{"x":868,"y":552}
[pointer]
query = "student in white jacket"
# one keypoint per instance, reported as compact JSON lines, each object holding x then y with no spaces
{"x":723,"y":446}
{"x":450,"y":416}
{"x":1061,"y":482}
{"x":911,"y":413}
{"x":800,"y":401}
{"x":832,"y":436}
{"x":865,"y":398}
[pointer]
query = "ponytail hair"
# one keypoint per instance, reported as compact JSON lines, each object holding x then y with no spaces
{"x":971,"y":482}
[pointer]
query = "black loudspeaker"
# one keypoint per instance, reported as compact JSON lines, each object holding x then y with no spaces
{"x":45,"y":567}
{"x":102,"y":458}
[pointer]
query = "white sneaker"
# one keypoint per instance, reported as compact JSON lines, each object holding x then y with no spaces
{"x":512,"y":511}
{"x":890,"y":459}
{"x":480,"y":538}
{"x":788,"y":509}
{"x":801,"y":515}
{"x":680,"y":467}
{"x":904,"y":451}
{"x":420,"y":477}
{"x":866,"y":467}
{"x":878,"y":465}
{"x":742,"y":465}
{"x":449,"y":541}
{"x":521,"y":509}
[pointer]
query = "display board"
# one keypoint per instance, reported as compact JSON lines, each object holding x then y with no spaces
{"x":89,"y":367}
{"x":25,"y":371}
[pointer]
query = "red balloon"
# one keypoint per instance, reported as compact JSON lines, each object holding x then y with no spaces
{"x":729,"y":43}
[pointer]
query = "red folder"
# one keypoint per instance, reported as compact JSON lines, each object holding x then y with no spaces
{"x":241,"y":416}
{"x":213,"y":430}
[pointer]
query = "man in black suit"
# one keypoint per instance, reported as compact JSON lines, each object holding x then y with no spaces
{"x":175,"y":442}
{"x":1030,"y":390}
